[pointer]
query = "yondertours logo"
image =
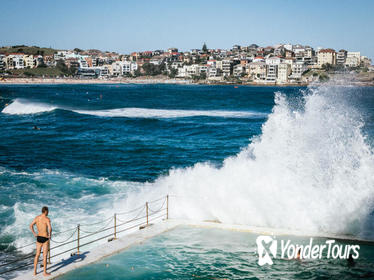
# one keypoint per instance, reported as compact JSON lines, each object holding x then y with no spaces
{"x":267,"y":249}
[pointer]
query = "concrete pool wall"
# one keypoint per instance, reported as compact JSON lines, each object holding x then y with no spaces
{"x":69,"y":263}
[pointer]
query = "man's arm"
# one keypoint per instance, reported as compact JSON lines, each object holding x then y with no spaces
{"x":32,"y":227}
{"x":49,"y":228}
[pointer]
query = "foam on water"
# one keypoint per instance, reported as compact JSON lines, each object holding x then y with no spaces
{"x":310,"y":169}
{"x":160,"y":113}
{"x":21,"y":106}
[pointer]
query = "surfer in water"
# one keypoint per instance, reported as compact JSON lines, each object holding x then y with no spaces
{"x":43,"y":224}
{"x":36,"y":128}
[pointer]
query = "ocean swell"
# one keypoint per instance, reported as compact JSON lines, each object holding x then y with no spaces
{"x":23,"y":107}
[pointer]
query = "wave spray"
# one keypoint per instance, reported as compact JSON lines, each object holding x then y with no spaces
{"x":310,"y":169}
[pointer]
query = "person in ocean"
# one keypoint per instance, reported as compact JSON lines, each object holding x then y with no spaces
{"x":36,"y":128}
{"x":43,"y":224}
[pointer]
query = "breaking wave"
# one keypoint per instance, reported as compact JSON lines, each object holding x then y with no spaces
{"x":20,"y":107}
{"x":311,"y":169}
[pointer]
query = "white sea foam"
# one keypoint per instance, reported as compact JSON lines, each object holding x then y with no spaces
{"x":310,"y":169}
{"x":22,"y":106}
{"x":164,"y":113}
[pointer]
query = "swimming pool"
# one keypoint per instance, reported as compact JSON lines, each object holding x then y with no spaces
{"x":205,"y":253}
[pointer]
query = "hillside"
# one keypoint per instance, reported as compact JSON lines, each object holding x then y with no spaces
{"x":34,"y":50}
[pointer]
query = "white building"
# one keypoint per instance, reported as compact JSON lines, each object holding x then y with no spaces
{"x":226,"y":67}
{"x":272,"y":68}
{"x":353,"y":59}
{"x":29,"y":61}
{"x":116,"y":68}
{"x":129,"y":67}
{"x":187,"y":71}
{"x":203,"y":69}
{"x":238,"y":70}
{"x":15,"y":61}
{"x":284,"y":70}
{"x":212,"y":72}
{"x":256,"y":70}
{"x":298,"y":68}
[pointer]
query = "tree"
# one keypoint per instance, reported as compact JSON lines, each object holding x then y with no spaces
{"x":205,"y":49}
{"x":153,"y":70}
{"x":327,"y":67}
{"x":323,"y":78}
{"x":77,"y":50}
{"x":137,"y":72}
{"x":60,"y":65}
{"x":73,"y":70}
{"x":173,"y":73}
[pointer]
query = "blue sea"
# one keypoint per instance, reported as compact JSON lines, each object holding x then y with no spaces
{"x":281,"y":157}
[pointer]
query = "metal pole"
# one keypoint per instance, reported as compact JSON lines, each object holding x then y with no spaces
{"x":49,"y":251}
{"x":167,"y":207}
{"x":146,"y":210}
{"x":78,"y":229}
{"x":115,"y":225}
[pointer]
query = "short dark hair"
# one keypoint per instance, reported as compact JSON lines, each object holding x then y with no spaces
{"x":44,"y":209}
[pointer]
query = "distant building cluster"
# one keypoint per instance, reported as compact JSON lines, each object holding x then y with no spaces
{"x":281,"y":64}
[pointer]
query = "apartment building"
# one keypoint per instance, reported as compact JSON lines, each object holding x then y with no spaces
{"x":238,"y":70}
{"x":2,"y":62}
{"x":353,"y":59}
{"x":256,"y":70}
{"x":226,"y":67}
{"x":284,"y":70}
{"x":15,"y":61}
{"x":28,"y":61}
{"x":272,"y":68}
{"x":326,"y":56}
{"x":298,"y":68}
{"x":341,"y":57}
{"x":129,"y":67}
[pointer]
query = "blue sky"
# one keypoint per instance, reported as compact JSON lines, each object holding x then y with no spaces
{"x":126,"y":26}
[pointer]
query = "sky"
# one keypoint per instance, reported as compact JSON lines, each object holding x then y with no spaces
{"x":127,"y":26}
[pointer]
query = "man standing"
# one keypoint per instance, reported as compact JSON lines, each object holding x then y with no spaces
{"x":43,"y":224}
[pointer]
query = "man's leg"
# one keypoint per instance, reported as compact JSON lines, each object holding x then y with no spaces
{"x":38,"y":249}
{"x":45,"y":254}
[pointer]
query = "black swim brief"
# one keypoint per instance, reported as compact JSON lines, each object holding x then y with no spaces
{"x":42,"y":239}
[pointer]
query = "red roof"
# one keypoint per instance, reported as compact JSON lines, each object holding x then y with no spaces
{"x":327,"y":51}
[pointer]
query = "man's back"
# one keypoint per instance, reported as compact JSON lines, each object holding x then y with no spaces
{"x":42,"y":225}
{"x":43,"y":237}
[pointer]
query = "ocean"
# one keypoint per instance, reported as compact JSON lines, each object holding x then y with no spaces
{"x":283,"y":157}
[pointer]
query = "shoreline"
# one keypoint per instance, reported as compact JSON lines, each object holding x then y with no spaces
{"x":60,"y":81}
{"x":145,"y":81}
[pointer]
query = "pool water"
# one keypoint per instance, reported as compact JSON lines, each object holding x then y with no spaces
{"x":201,"y":253}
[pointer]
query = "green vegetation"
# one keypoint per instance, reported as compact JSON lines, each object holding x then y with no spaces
{"x":38,"y":72}
{"x":323,"y":77}
{"x":173,"y":73}
{"x":153,"y":70}
{"x":34,"y":50}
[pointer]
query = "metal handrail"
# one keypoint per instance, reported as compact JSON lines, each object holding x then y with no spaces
{"x":149,"y":217}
